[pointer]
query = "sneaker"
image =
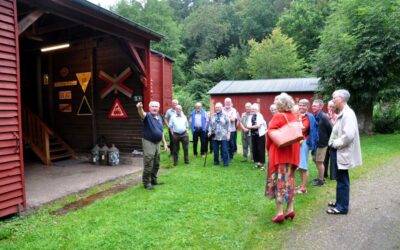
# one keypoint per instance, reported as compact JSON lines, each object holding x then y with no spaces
{"x":319,"y":183}
{"x":301,"y":190}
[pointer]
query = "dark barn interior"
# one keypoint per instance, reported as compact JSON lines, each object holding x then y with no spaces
{"x":52,"y":93}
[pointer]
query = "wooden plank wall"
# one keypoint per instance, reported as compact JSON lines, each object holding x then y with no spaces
{"x":161,"y":80}
{"x":74,"y":129}
{"x":12,"y":189}
{"x":125,"y":133}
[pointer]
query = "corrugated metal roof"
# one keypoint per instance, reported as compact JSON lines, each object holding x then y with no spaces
{"x":266,"y":86}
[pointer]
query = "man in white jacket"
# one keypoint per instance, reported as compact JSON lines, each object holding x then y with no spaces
{"x":346,"y":150}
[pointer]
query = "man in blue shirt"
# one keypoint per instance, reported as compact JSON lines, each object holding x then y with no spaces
{"x":152,"y":136}
{"x":178,"y":126}
{"x":198,"y":119}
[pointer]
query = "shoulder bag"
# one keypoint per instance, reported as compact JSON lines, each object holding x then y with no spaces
{"x":286,"y":135}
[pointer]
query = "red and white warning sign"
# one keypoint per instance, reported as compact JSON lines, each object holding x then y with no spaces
{"x":117,"y":111}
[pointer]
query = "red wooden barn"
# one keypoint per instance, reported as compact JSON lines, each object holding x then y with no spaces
{"x":262,"y":92}
{"x":71,"y":74}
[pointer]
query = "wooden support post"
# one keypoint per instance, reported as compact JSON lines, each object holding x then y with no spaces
{"x":28,"y":20}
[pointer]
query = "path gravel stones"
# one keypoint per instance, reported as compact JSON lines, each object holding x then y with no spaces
{"x":373,"y":221}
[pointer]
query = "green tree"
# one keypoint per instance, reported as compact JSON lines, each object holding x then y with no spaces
{"x":274,"y":57}
{"x":304,"y":22}
{"x":205,"y":31}
{"x":258,"y":18}
{"x":360,"y":51}
{"x":157,"y":15}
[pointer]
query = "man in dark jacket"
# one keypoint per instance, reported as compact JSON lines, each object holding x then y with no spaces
{"x":324,"y":132}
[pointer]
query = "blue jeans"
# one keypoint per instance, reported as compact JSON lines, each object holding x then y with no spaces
{"x":232,"y":145}
{"x":342,"y":185}
{"x":224,"y":151}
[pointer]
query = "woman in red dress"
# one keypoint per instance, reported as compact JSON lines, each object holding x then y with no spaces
{"x":283,"y":162}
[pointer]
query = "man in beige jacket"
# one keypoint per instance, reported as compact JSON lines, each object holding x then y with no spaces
{"x":345,"y":149}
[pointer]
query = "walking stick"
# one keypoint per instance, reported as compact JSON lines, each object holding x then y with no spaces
{"x":205,"y":159}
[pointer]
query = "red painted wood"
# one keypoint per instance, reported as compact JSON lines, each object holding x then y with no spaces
{"x":10,"y":187}
{"x":6,"y":99}
{"x":9,"y":121}
{"x":10,"y":195}
{"x":263,"y":99}
{"x":6,"y":114}
{"x":9,"y":210}
{"x":7,"y":4}
{"x":8,"y":56}
{"x":6,"y":18}
{"x":6,"y":11}
{"x":8,"y":129}
{"x":8,"y":106}
{"x":10,"y":179}
{"x":7,"y":63}
{"x":137,"y":58}
{"x":8,"y":70}
{"x":7,"y":78}
{"x":11,"y":202}
{"x":7,"y":92}
{"x":7,"y":151}
{"x":11,"y":172}
{"x":6,"y":26}
{"x":7,"y":34}
{"x":7,"y":41}
{"x":8,"y":165}
{"x":7,"y":136}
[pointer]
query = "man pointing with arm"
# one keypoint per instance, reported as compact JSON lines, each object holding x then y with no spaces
{"x":152,"y":136}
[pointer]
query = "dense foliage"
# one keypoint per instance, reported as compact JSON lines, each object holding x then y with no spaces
{"x":353,"y":44}
{"x":360,"y":51}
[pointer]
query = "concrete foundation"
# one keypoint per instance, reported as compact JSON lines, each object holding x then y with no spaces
{"x":48,"y":183}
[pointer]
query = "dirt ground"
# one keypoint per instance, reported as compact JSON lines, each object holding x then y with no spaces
{"x":373,"y":221}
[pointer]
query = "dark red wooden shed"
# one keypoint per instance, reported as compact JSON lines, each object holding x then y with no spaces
{"x":161,"y":75}
{"x":59,"y":102}
{"x":262,"y":92}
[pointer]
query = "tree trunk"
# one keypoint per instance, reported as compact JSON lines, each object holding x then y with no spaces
{"x":364,"y":118}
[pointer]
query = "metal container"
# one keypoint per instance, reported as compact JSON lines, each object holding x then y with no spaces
{"x":95,"y":155}
{"x":103,"y":155}
{"x":113,"y":156}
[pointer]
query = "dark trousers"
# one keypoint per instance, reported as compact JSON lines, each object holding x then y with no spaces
{"x":209,"y":141}
{"x":184,"y":140}
{"x":171,"y":148}
{"x":223,"y":145}
{"x":232,"y":145}
{"x":151,"y":161}
{"x":329,"y":167}
{"x":258,"y":144}
{"x":342,"y":186}
{"x":199,"y":134}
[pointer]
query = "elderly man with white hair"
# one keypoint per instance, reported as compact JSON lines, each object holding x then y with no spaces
{"x":234,"y":119}
{"x":246,"y":135}
{"x":171,"y":112}
{"x":198,"y":122}
{"x":152,"y":136}
{"x":218,"y":130}
{"x":178,"y":126}
{"x":345,"y":149}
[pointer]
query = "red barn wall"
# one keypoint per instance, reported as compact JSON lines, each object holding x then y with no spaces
{"x":12,"y":182}
{"x":161,"y":80}
{"x":264,"y":99}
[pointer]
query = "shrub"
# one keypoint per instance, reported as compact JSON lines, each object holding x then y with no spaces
{"x":386,"y":117}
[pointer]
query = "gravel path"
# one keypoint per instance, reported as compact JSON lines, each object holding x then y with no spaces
{"x":373,"y":221}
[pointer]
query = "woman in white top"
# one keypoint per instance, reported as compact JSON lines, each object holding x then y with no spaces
{"x":258,"y":129}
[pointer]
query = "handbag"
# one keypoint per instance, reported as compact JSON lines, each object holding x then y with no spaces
{"x":286,"y":135}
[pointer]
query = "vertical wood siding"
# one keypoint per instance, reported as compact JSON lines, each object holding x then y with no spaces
{"x":264,"y":99}
{"x":12,"y":190}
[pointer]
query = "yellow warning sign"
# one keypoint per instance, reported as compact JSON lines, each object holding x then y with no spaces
{"x":84,"y":79}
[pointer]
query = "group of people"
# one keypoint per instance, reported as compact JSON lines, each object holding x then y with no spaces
{"x":333,"y":135}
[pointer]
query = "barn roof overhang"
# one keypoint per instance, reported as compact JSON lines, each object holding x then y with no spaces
{"x":95,"y":17}
{"x":265,"y":86}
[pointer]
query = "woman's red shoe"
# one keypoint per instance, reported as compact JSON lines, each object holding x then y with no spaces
{"x":290,"y":215}
{"x":278,"y":219}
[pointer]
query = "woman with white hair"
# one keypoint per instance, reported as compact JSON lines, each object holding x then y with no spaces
{"x":283,"y":161}
{"x":258,"y":129}
{"x":345,"y":150}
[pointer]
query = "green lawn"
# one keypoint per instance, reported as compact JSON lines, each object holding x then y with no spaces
{"x":199,"y":208}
